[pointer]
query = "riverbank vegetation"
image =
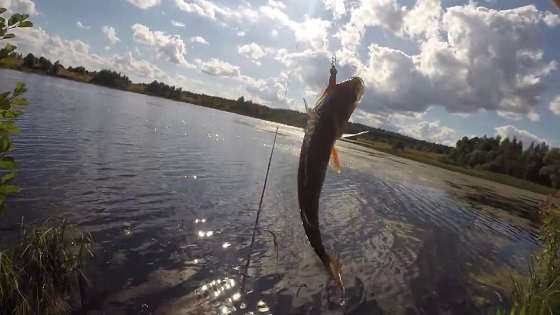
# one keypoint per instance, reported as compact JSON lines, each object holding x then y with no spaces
{"x":41,"y":273}
{"x":537,"y":168}
{"x":539,"y":292}
{"x":41,"y":268}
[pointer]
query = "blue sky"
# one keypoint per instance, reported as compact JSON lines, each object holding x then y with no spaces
{"x":435,"y":70}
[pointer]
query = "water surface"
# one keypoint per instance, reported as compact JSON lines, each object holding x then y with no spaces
{"x":170,"y":190}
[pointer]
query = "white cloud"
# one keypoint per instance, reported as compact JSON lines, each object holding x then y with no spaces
{"x":69,"y":52}
{"x":199,"y":39}
{"x":554,"y":105}
{"x":217,"y":67}
{"x":276,"y":4}
{"x":310,"y":67}
{"x":144,"y":4}
{"x":551,"y":19}
{"x":140,"y":69}
{"x":19,"y":6}
{"x":476,"y":58}
{"x":312,"y":31}
{"x":431,"y":131}
{"x":169,"y":47}
{"x":110,"y":33}
{"x":81,"y":25}
{"x":369,"y":13}
{"x":274,"y":33}
{"x":254,"y":51}
{"x":209,"y":10}
{"x":423,"y":20}
{"x":177,"y":23}
{"x":337,"y":8}
{"x":525,"y":136}
{"x":271,"y":91}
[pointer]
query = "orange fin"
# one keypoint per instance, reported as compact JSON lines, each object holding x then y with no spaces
{"x":335,"y":161}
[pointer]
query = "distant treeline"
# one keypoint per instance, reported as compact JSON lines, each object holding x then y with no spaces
{"x":537,"y":163}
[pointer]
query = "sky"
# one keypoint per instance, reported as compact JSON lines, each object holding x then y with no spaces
{"x":436,"y":70}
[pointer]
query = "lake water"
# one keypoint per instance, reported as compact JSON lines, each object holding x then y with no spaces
{"x":170,"y":191}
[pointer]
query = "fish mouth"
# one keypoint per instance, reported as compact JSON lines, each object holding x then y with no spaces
{"x":356,"y":85}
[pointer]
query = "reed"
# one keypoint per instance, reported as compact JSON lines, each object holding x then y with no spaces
{"x":40,"y":274}
{"x":539,"y":292}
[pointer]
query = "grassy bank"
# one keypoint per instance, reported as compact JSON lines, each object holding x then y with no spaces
{"x":434,"y":160}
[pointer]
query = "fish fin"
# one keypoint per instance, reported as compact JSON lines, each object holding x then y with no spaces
{"x":322,"y":97}
{"x":309,"y":111}
{"x":349,"y":135}
{"x":335,"y":160}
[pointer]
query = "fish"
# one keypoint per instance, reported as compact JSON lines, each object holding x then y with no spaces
{"x":324,"y":126}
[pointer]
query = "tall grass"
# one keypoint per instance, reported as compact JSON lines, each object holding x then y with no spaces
{"x":539,"y":293}
{"x":40,"y":274}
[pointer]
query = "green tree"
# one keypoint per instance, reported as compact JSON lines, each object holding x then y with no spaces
{"x":551,"y":168}
{"x":111,"y":79}
{"x":30,"y":61}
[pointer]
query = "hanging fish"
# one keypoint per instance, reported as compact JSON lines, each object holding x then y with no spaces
{"x":325,"y":125}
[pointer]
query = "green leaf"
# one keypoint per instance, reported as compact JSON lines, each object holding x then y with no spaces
{"x":8,"y":177}
{"x":8,"y":164}
{"x":25,"y":24}
{"x":9,"y":48}
{"x":9,"y":189}
{"x":20,"y":88}
{"x":13,"y":19}
{"x":2,"y":10}
{"x":7,"y":114}
{"x":5,"y":143}
{"x":8,"y":36}
{"x":20,"y":101}
{"x":9,"y":127}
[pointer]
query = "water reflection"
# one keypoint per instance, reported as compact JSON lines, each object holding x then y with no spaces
{"x":203,"y":234}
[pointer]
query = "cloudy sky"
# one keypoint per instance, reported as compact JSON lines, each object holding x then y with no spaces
{"x":434,"y":69}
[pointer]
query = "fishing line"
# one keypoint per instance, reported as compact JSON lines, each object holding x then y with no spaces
{"x":245,"y":273}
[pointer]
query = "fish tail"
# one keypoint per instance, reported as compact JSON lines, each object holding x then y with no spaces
{"x":335,"y":269}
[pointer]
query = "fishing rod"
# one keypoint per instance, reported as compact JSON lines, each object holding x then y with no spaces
{"x":248,"y":262}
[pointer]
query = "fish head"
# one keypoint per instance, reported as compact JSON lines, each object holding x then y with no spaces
{"x":346,"y":96}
